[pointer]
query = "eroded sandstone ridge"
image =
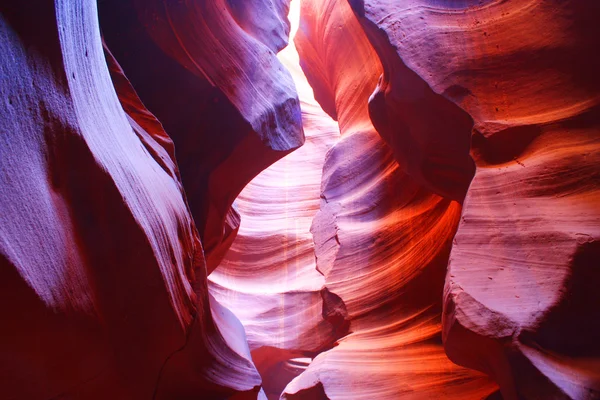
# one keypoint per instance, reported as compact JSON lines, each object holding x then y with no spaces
{"x":520,"y":302}
{"x":103,"y":272}
{"x":382,"y":238}
{"x":208,"y":71}
{"x":402,"y":203}
{"x":269,"y":277}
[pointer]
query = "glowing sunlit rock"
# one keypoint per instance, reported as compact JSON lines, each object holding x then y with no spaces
{"x":520,"y":299}
{"x":269,"y":277}
{"x":382,"y":240}
{"x":435,"y":236}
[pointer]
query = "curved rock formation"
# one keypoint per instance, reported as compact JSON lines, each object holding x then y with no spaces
{"x":207,"y":70}
{"x":103,"y":280}
{"x":381,"y":239}
{"x":269,"y":277}
{"x":429,"y":134}
{"x":523,"y":260}
{"x":435,"y":237}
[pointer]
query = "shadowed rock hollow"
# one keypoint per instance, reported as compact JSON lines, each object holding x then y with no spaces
{"x":315,"y":199}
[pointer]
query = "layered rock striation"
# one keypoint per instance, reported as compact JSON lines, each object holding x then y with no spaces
{"x":103,"y":275}
{"x":269,"y":277}
{"x":208,"y":71}
{"x":523,"y":259}
{"x":403,"y":203}
{"x":103,"y":271}
{"x":382,"y":238}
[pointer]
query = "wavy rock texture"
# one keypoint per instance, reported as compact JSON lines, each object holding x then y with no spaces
{"x":428,"y":133}
{"x":520,"y":302}
{"x":382,"y":239}
{"x":440,"y":240}
{"x":207,"y":70}
{"x":103,"y":281}
{"x":269,"y":277}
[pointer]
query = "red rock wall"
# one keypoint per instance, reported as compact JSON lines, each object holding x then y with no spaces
{"x":523,"y":259}
{"x":269,"y":277}
{"x":382,"y":239}
{"x":436,"y":235}
{"x":103,"y":274}
{"x":207,"y":70}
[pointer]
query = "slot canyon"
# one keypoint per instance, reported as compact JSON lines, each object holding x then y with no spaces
{"x":299,"y":199}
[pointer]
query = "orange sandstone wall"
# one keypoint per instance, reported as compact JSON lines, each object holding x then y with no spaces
{"x":382,"y":238}
{"x":403,"y":203}
{"x":520,"y":303}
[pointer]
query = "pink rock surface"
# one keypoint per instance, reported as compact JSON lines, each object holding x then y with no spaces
{"x":381,"y":239}
{"x":519,"y":301}
{"x":103,"y":280}
{"x":269,"y":277}
{"x":436,"y":236}
{"x":428,"y":133}
{"x":208,"y":71}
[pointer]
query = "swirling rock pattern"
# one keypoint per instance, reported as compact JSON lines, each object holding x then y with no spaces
{"x":523,"y":259}
{"x":103,"y":280}
{"x":428,"y":133}
{"x":382,"y":239}
{"x":208,"y":71}
{"x":269,"y":277}
{"x":208,"y":354}
{"x":435,"y":237}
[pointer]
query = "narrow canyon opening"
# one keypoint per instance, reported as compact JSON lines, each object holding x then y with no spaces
{"x":269,"y":277}
{"x":333,"y":219}
{"x":299,"y":200}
